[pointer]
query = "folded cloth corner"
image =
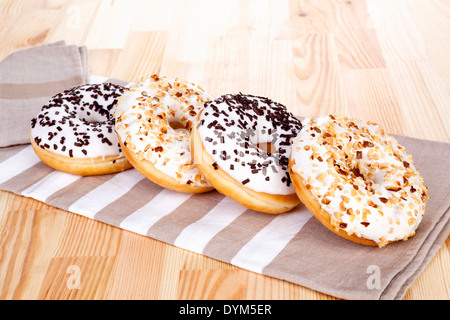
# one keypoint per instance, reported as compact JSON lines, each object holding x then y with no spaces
{"x":29,"y":78}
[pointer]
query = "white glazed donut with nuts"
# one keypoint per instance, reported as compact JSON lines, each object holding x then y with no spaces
{"x":153,"y":122}
{"x":357,"y":180}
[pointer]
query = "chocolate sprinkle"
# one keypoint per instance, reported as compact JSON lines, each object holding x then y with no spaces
{"x":75,"y":110}
{"x":239,"y":119}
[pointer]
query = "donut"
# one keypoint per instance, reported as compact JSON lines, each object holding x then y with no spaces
{"x":154,"y":118}
{"x":357,"y":180}
{"x":74,"y":131}
{"x":241,"y":144}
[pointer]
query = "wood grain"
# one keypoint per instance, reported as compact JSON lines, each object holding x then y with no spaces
{"x":380,"y":60}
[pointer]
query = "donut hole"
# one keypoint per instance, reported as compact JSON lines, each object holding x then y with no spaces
{"x":371,"y":178}
{"x":262,"y":140}
{"x":178,"y":126}
{"x":93,"y":118}
{"x":378,"y":177}
{"x":95,"y":123}
{"x":267,"y":147}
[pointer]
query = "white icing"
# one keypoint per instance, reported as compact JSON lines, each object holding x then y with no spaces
{"x":231,"y":128}
{"x":79,"y":122}
{"x":385,"y":173}
{"x":143,"y":118}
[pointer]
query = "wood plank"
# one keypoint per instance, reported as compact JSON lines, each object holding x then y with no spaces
{"x":421,"y":108}
{"x":239,"y":285}
{"x":111,"y":25}
{"x":435,"y":272}
{"x":435,"y":35}
{"x":147,"y":47}
{"x":138,"y":275}
{"x":19,"y":35}
{"x":28,"y":240}
{"x":317,"y":76}
{"x":77,"y":18}
{"x":397,"y":33}
{"x":370,"y":96}
{"x":77,"y":278}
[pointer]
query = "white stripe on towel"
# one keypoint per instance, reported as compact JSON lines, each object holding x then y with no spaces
{"x":270,"y":241}
{"x":111,"y":190}
{"x":161,"y":205}
{"x":50,"y":184}
{"x":197,"y":235}
{"x":18,"y":163}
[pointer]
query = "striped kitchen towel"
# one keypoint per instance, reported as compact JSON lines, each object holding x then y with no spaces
{"x":29,"y":78}
{"x":292,"y":246}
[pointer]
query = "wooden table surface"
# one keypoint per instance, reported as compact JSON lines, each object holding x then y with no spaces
{"x":380,"y":60}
